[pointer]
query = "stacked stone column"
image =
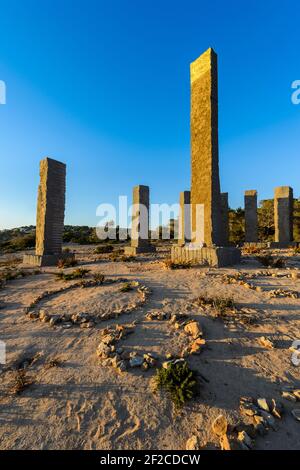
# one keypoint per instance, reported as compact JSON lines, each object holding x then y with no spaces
{"x":50,"y":214}
{"x":205,"y":184}
{"x":184,"y":221}
{"x":251,"y":224}
{"x":140,"y":222}
{"x":209,"y":228}
{"x":283,"y":215}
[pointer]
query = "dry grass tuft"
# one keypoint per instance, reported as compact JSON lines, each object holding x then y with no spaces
{"x":169,"y":264}
{"x":21,"y":382}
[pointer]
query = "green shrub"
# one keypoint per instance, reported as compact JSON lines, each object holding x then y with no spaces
{"x":169,"y":264}
{"x":268,"y":261}
{"x":79,"y":273}
{"x":67,"y":263}
{"x":99,"y":277}
{"x":18,"y":243}
{"x":126,"y":287}
{"x":101,"y":249}
{"x":179,"y":381}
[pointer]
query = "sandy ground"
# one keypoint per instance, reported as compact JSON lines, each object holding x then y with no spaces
{"x":80,"y":404}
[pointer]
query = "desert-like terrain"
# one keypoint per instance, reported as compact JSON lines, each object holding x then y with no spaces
{"x":59,"y":391}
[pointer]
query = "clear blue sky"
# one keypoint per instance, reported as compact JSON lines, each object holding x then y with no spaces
{"x":104,"y":87}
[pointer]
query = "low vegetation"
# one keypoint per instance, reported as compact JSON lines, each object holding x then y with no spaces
{"x":67,"y":263}
{"x":169,"y":264}
{"x":79,"y":273}
{"x":99,"y":277}
{"x":178,"y":380}
{"x":269,"y":261}
{"x":219,"y":304}
{"x":102,"y":249}
{"x":12,"y":274}
{"x":21,"y":382}
{"x":118,"y":255}
{"x":126,"y":287}
{"x":251,"y":250}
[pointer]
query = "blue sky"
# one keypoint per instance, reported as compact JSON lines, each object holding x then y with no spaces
{"x":104,"y":87}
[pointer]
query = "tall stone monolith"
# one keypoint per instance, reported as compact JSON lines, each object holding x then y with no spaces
{"x":140,"y":222}
{"x":251,"y":224}
{"x":205,"y":184}
{"x":283,"y":214}
{"x":50,"y":214}
{"x":207,"y":245}
{"x":184,"y":219}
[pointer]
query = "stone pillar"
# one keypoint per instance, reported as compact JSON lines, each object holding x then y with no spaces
{"x":283,"y":214}
{"x":251,"y":225}
{"x":225,"y":219}
{"x":184,"y":219}
{"x":207,"y":227}
{"x":50,"y":214}
{"x":140,"y":222}
{"x":205,"y":187}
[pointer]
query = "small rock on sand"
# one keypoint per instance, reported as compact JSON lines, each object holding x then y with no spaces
{"x":219,"y":426}
{"x":192,"y":443}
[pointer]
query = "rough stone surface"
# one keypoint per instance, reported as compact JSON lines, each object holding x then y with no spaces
{"x":192,"y":443}
{"x":50,"y":207}
{"x":251,"y":225}
{"x":140,"y":222}
{"x":220,"y":425}
{"x":46,"y":260}
{"x":283,"y":214}
{"x":184,"y":221}
{"x":50,"y":214}
{"x":205,"y":187}
{"x":225,"y":219}
{"x":212,"y":256}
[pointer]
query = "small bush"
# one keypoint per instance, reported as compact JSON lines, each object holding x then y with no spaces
{"x":79,"y":273}
{"x":251,"y":250}
{"x":21,"y":382}
{"x":67,"y":263}
{"x":126,"y":287}
{"x":265,"y":260}
{"x":55,"y":362}
{"x":101,"y":249}
{"x":220,"y":304}
{"x":115,"y":256}
{"x":279,"y":263}
{"x":99,"y":277}
{"x":11,"y":275}
{"x":169,"y":264}
{"x":179,"y":381}
{"x":269,"y":262}
{"x":18,"y":243}
{"x":11,"y":262}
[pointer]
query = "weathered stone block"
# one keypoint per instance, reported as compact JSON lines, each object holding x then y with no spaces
{"x":212,"y":256}
{"x":205,"y":185}
{"x":50,"y":213}
{"x":251,"y":224}
{"x":184,"y":220}
{"x":46,"y":260}
{"x":140,"y":222}
{"x":283,"y":214}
